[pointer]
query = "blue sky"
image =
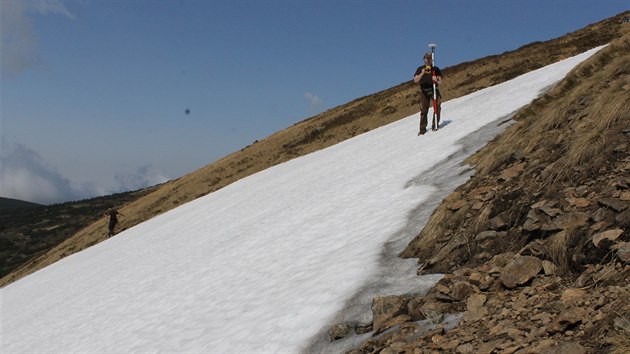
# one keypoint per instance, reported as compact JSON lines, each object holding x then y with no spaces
{"x":105,"y":96}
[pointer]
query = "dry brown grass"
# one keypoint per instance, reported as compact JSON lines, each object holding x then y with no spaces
{"x":579,"y":116}
{"x":620,"y":339}
{"x":588,"y":130}
{"x":558,"y":249}
{"x":333,"y":126}
{"x":434,"y":230}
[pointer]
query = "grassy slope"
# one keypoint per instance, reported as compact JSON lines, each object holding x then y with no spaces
{"x":9,"y":204}
{"x":28,"y":232}
{"x":329,"y":128}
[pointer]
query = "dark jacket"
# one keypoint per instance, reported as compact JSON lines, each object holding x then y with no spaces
{"x":426,"y":81}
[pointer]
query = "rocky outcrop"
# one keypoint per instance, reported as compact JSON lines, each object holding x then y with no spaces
{"x":547,"y":313}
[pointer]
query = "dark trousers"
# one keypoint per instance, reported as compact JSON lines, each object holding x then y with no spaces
{"x":112,"y":225}
{"x":425,"y":103}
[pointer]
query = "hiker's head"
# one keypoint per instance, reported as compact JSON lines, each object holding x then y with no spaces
{"x":427,"y":56}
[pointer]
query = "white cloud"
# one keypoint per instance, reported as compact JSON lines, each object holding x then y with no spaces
{"x":18,"y":40}
{"x":141,"y":178}
{"x":315,"y":104}
{"x":18,"y":45}
{"x":25,"y":175}
{"x":54,"y":7}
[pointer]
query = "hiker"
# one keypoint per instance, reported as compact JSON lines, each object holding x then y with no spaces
{"x":425,"y":75}
{"x":113,"y":220}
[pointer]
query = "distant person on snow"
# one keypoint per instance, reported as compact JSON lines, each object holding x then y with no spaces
{"x":113,"y":220}
{"x":426,"y":75}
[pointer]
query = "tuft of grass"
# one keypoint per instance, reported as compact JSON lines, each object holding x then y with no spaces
{"x":620,"y":339}
{"x":558,"y":249}
{"x":482,"y":219}
{"x":434,"y":230}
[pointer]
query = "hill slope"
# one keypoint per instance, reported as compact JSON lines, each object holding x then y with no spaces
{"x":331,"y":127}
{"x":7,"y":204}
{"x":264,"y":263}
{"x":29,"y":232}
{"x":535,"y":246}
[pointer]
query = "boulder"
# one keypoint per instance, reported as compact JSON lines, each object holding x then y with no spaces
{"x":613,"y":203}
{"x":606,"y":235}
{"x":623,"y":218}
{"x":579,"y":202}
{"x":486,"y":238}
{"x":552,"y":227}
{"x":573,"y":296}
{"x":553,"y":212}
{"x":484,"y":193}
{"x":512,"y":172}
{"x":520,"y":271}
{"x":569,"y":348}
{"x":475,"y":278}
{"x":497,"y":223}
{"x":531,"y":225}
{"x":549,"y":267}
{"x":386,"y":312}
{"x":461,"y":290}
{"x":434,"y":309}
{"x":571,"y":220}
{"x":414,"y":308}
{"x":567,"y":319}
{"x":475,"y":309}
{"x":339,"y":331}
{"x":398,"y":320}
{"x":466,"y":348}
{"x":534,"y":213}
{"x":543,"y":346}
{"x":623,"y":251}
{"x":455,"y":206}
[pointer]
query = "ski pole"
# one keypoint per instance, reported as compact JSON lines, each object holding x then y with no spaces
{"x":434,"y":126}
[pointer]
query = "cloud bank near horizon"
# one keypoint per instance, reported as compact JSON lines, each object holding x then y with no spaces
{"x":24,"y":175}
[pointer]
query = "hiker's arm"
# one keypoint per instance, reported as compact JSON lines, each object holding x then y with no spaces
{"x":418,"y":75}
{"x":417,"y":78}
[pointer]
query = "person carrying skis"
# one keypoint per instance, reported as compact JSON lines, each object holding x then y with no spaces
{"x":427,"y":75}
{"x":113,"y":220}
